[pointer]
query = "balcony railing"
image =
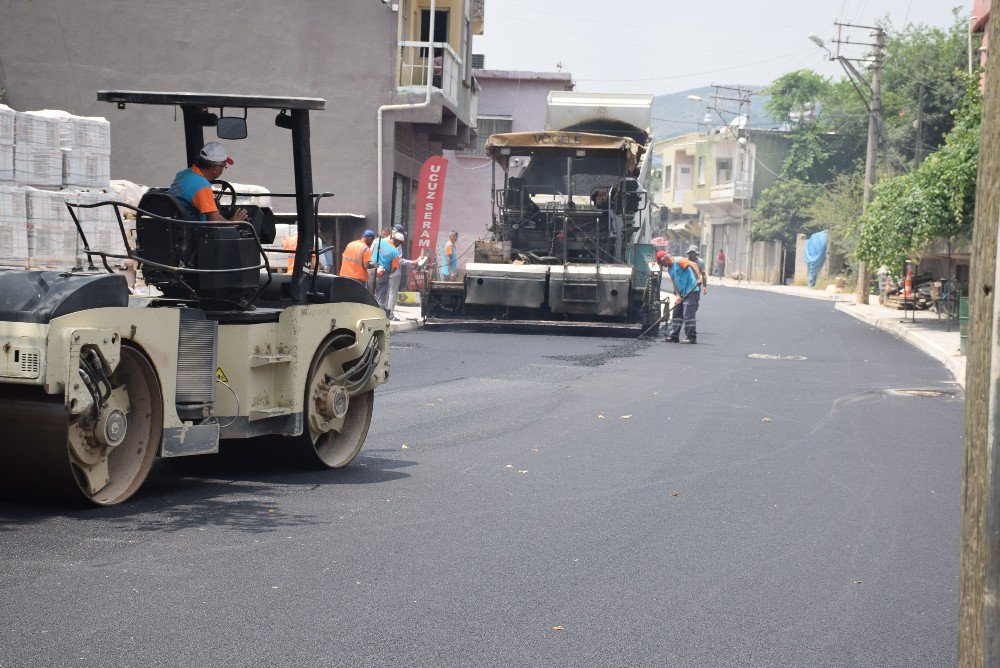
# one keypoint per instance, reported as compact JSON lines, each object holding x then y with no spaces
{"x":447,"y":68}
{"x":732,"y":190}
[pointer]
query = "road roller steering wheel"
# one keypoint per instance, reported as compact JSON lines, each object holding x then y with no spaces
{"x":227,"y":210}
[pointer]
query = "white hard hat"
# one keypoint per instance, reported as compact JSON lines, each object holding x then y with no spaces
{"x":213,"y":151}
{"x":398,"y":236}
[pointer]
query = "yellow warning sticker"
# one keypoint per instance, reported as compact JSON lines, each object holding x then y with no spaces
{"x":220,"y":375}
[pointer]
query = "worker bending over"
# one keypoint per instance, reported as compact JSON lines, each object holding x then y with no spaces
{"x":687,"y":280}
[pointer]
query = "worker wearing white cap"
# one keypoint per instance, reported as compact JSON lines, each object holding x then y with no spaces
{"x":396,"y":276}
{"x":193,"y":186}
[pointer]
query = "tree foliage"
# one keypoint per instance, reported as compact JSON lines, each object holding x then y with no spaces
{"x":838,"y":209}
{"x":937,"y":200}
{"x":827,"y":147}
{"x":782,"y":211}
{"x":795,"y":95}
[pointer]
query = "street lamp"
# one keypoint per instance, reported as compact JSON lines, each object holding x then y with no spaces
{"x":708,"y":117}
{"x":821,"y":44}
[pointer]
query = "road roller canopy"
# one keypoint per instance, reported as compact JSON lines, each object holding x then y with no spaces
{"x":227,"y":114}
{"x":501,"y":147}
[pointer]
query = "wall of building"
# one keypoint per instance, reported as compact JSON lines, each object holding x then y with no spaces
{"x":520,"y":96}
{"x":57,"y":55}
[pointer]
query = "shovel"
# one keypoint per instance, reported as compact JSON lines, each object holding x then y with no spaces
{"x":660,"y":319}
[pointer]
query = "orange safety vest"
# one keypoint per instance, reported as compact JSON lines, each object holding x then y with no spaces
{"x":289,"y":244}
{"x":355,"y":261}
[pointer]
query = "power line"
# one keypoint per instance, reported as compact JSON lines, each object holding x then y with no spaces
{"x":695,"y":74}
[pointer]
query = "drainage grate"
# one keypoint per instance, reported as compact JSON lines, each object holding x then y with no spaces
{"x":765,"y":356}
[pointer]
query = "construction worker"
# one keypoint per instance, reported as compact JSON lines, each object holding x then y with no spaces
{"x":385,"y":257}
{"x":395,"y":277}
{"x":357,"y":256}
{"x":193,"y":187}
{"x":692,"y":254}
{"x":449,"y":269}
{"x":688,"y":281}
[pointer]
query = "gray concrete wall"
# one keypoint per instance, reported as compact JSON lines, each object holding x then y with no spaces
{"x":801,"y":269}
{"x":521,"y":95}
{"x":58,"y":54}
{"x":766,"y":262}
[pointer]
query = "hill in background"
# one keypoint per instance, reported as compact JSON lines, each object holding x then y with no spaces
{"x":674,"y":114}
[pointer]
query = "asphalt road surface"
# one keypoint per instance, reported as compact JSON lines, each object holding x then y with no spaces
{"x":544,"y":501}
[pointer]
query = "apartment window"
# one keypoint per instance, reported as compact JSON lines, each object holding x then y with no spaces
{"x":723,"y":171}
{"x":701,"y":170}
{"x":486,"y":126}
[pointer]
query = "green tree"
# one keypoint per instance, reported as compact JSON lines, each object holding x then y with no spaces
{"x":782,"y":211}
{"x":794,"y":96}
{"x":937,"y":200}
{"x":923,"y":59}
{"x":839,"y":209}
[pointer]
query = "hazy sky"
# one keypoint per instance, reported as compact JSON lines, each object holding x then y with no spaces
{"x":663,"y":46}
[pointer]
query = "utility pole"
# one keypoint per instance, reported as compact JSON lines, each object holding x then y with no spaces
{"x":732,"y":105}
{"x":979,"y":555}
{"x":874,"y":104}
{"x":918,"y":154}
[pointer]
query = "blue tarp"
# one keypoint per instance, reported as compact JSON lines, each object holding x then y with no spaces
{"x":816,"y":254}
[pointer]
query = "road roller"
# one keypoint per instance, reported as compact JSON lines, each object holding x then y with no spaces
{"x":96,"y":383}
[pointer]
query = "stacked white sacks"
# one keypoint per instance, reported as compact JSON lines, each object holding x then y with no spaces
{"x":6,"y":144}
{"x":13,"y":227}
{"x":86,"y":148}
{"x":37,"y":156}
{"x":52,"y":239}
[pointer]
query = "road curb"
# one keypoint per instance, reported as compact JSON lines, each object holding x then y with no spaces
{"x":405,"y":325}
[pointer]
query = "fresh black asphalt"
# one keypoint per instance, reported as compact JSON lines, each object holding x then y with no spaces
{"x":543,"y":501}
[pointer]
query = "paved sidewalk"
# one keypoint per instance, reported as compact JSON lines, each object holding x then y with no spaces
{"x":923,"y":329}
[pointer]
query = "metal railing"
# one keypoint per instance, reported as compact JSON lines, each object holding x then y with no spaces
{"x":447,"y":67}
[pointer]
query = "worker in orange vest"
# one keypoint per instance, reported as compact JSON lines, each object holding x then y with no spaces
{"x":290,"y":242}
{"x":356,"y":258}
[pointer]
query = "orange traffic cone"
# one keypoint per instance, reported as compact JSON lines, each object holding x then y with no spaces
{"x":908,"y":283}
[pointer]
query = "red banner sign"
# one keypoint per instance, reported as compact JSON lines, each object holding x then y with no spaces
{"x":430,"y":198}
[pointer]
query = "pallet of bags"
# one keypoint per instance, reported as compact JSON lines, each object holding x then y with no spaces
{"x":52,"y":239}
{"x":38,"y":158}
{"x":6,"y":144}
{"x":85,"y":142}
{"x":13,"y":227}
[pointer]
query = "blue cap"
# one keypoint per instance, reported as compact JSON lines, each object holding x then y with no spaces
{"x":369,"y":234}
{"x":399,"y":228}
